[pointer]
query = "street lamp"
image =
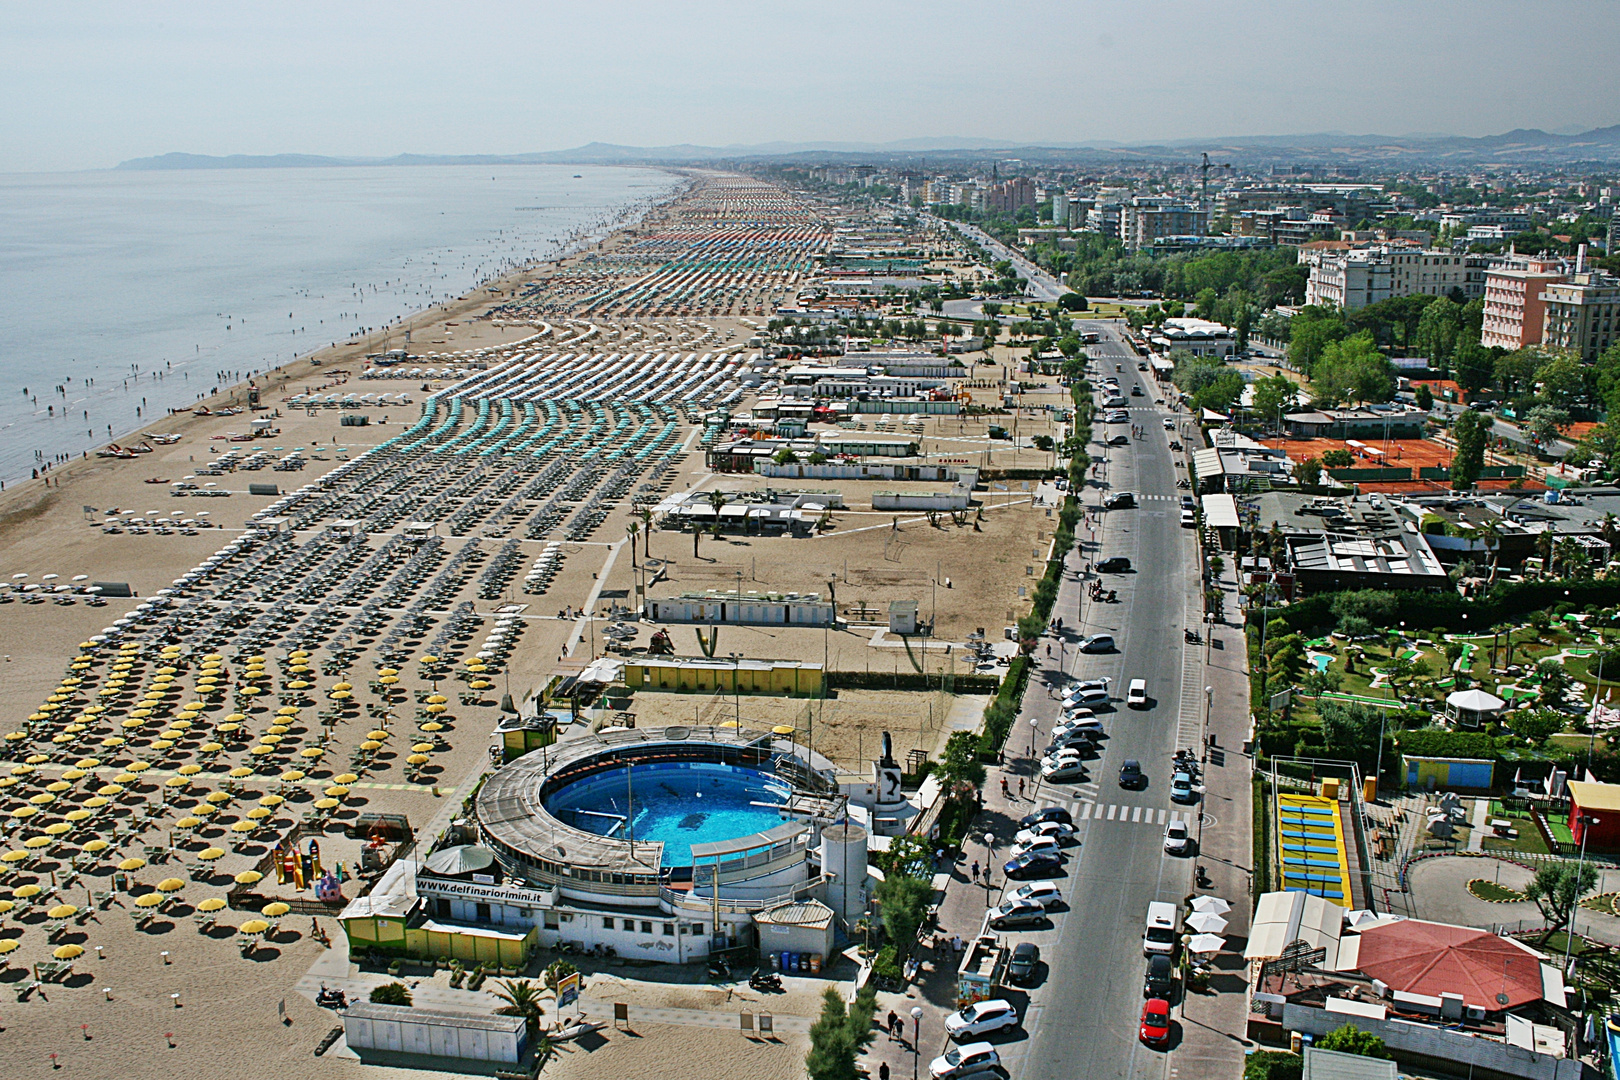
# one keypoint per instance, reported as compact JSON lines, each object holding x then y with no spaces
{"x":989,"y":860}
{"x":1587,"y":821}
{"x":1209,"y":701}
{"x":916,"y":1038}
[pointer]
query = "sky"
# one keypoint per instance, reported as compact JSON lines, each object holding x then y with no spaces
{"x":88,"y":84}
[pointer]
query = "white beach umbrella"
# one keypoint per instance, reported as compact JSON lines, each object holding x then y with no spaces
{"x":50,"y":577}
{"x":1213,"y":904}
{"x":1206,"y":943}
{"x":81,"y":577}
{"x":1207,"y":922}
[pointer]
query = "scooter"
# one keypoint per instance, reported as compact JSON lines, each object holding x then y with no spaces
{"x":331,"y":999}
{"x":1184,"y":485}
{"x":765,"y":980}
{"x":719,"y":969}
{"x":1203,"y":878}
{"x":1192,"y":637}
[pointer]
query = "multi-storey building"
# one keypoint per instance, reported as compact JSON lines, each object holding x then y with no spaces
{"x":1582,"y":313}
{"x":1355,"y":277}
{"x":1514,"y":311}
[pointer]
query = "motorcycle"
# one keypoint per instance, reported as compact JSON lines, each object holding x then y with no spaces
{"x":1192,"y":637}
{"x":332,"y":999}
{"x":1203,"y":878}
{"x":1184,"y":485}
{"x":719,"y":969}
{"x":765,"y":981}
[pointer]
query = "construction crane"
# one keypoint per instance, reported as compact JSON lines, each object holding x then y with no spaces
{"x":1203,"y":197}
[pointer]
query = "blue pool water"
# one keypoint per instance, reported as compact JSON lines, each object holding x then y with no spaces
{"x":678,"y":803}
{"x":1321,"y":660}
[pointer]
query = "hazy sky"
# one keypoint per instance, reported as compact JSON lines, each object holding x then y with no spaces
{"x":85,"y":85}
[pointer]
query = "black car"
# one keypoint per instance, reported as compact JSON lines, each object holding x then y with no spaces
{"x":1120,"y":500}
{"x":1047,"y":813}
{"x":1187,"y":503}
{"x":1130,"y":774}
{"x":1161,"y":977}
{"x":1114,"y":564}
{"x":1136,"y":391}
{"x":1026,"y":958}
{"x":1034,"y":864}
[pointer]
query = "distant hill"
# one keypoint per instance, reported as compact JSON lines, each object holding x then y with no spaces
{"x":1533,"y":144}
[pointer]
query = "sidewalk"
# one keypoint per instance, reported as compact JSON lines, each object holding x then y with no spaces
{"x":1215,"y":1023}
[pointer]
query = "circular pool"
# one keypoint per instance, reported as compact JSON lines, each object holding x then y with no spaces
{"x":680,"y":803}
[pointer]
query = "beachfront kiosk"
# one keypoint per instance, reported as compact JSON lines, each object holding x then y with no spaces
{"x":668,"y":845}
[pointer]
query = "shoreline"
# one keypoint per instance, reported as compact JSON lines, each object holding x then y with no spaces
{"x":14,"y":492}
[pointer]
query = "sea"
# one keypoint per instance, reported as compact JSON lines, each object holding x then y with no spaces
{"x":124,"y":294}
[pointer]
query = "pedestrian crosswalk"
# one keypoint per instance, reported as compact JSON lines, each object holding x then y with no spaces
{"x":1085,"y":810}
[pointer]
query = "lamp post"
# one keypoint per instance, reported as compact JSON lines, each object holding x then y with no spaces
{"x":989,"y":861}
{"x":736,"y":689}
{"x":1209,"y":701}
{"x":1587,"y":821}
{"x":916,"y":1038}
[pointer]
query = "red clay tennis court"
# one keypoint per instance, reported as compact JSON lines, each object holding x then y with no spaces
{"x":1414,"y":454}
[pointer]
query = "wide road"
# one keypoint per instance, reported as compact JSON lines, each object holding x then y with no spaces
{"x":1042,"y":285}
{"x":1083,"y":1018}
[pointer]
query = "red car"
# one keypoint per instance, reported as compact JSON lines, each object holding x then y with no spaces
{"x":1156,"y":1022}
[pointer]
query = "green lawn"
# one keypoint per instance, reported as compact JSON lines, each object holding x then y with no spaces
{"x":1528,"y":841}
{"x":1491,"y":892}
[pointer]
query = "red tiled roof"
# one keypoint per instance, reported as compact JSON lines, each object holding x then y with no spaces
{"x":1434,"y":959}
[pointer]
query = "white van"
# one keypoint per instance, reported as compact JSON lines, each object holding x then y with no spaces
{"x":1136,"y":695}
{"x":1159,"y":935}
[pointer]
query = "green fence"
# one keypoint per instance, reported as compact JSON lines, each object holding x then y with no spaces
{"x":1370,"y":476}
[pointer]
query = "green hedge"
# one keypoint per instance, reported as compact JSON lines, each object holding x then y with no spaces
{"x":1428,"y":609}
{"x":909,"y":680}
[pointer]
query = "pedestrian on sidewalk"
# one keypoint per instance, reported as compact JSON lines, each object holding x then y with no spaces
{"x":894,"y":1024}
{"x":1020,"y":787}
{"x":883,"y":1071}
{"x":1004,"y":792}
{"x":975,"y":869}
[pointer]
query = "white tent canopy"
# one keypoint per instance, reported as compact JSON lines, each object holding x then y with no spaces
{"x":1281,"y":918}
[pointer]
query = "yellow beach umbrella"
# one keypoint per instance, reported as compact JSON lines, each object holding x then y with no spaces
{"x":261,"y":750}
{"x":248,"y":877}
{"x":422,"y":748}
{"x":371,"y":744}
{"x":432,"y":725}
{"x":96,"y":802}
{"x":132,"y":863}
{"x":311,"y":752}
{"x":259,"y":813}
{"x":287,"y":710}
{"x":27,"y":892}
{"x":388,"y":680}
{"x":244,"y":826}
{"x":345,"y":778}
{"x":327,"y":804}
{"x":149,"y":900}
{"x":87,"y":763}
{"x":190,"y":822}
{"x":275,"y":910}
{"x":418,"y":759}
{"x":292,"y":776}
{"x":112,"y":740}
{"x":34,"y":843}
{"x":68,"y":952}
{"x":253,"y":926}
{"x":239,"y":772}
{"x":62,"y":828}
{"x":138,"y":766}
{"x":77,"y":816}
{"x":437,"y":699}
{"x":171,"y":884}
{"x":176,"y":782}
{"x":56,"y":787}
{"x":43,"y":799}
{"x":23,"y":770}
{"x":217,"y":798}
{"x":298,"y":684}
{"x":207,"y":748}
{"x":272,"y":801}
{"x":436,"y":709}
{"x":14,"y":856}
{"x":25,"y":811}
{"x":97,"y":845}
{"x":235,"y":718}
{"x":62,"y":911}
{"x":213,"y":903}
{"x":337,"y":791}
{"x":189,"y":770}
{"x":9,"y":945}
{"x":209,"y":854}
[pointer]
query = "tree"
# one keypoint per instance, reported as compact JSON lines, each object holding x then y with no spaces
{"x":817,"y":458}
{"x":1273,"y":395}
{"x":1425,"y":397}
{"x":1556,"y":889}
{"x":1072,"y":301}
{"x":1438,"y":330}
{"x":1338,"y":458}
{"x":961,"y":773}
{"x":1350,"y":728}
{"x":522,"y":999}
{"x":1308,"y":472}
{"x":1544,"y":423}
{"x":1516,"y":370}
{"x":1555,"y":683}
{"x":1309,"y":332}
{"x":901,"y":901}
{"x":1535,"y":725}
{"x":1473,"y":365}
{"x":1562,"y":380}
{"x":1606,"y":378}
{"x":1273,"y":1065}
{"x":785,"y":456}
{"x":991,"y":308}
{"x":1375,"y":605}
{"x":839,"y":1035}
{"x":1350,"y":1039}
{"x":556,"y":972}
{"x":1469,"y":432}
{"x":394,"y":993}
{"x":1352,"y":369}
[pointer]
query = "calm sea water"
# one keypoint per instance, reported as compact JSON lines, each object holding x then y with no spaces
{"x":126,"y":291}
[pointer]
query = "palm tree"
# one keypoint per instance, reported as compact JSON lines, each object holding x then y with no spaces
{"x":1490,"y":535}
{"x":630,"y":531}
{"x":522,"y":999}
{"x":646,"y":516}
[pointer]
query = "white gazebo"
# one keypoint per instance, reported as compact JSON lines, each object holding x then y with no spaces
{"x":1472,"y":708}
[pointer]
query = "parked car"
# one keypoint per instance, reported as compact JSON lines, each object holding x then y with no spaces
{"x":1080,"y":740}
{"x":1187,"y":502}
{"x":1160,"y":978}
{"x":1155,"y":1028}
{"x":961,"y":1060}
{"x":1059,"y":757}
{"x":1114,"y":564}
{"x":981,"y":1018}
{"x":1189,"y":520}
{"x":1176,"y":840}
{"x":1136,"y":694}
{"x":1047,"y":813}
{"x":1181,"y":789}
{"x":1097,"y":643}
{"x":1130,"y":774}
{"x":1120,"y":500}
{"x":1089,"y":726}
{"x":1015,"y":912}
{"x":1169,"y":424}
{"x":1054,"y":830}
{"x":1089,"y":696}
{"x":1025,"y":960}
{"x":1069,"y":769}
{"x":1074,"y":690}
{"x":1034,"y":864}
{"x":1044,"y":893}
{"x":1119,"y":440}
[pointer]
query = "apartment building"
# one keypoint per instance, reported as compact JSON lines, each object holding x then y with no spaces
{"x":1581,"y":313}
{"x":1352,"y":278}
{"x":1514,"y":311}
